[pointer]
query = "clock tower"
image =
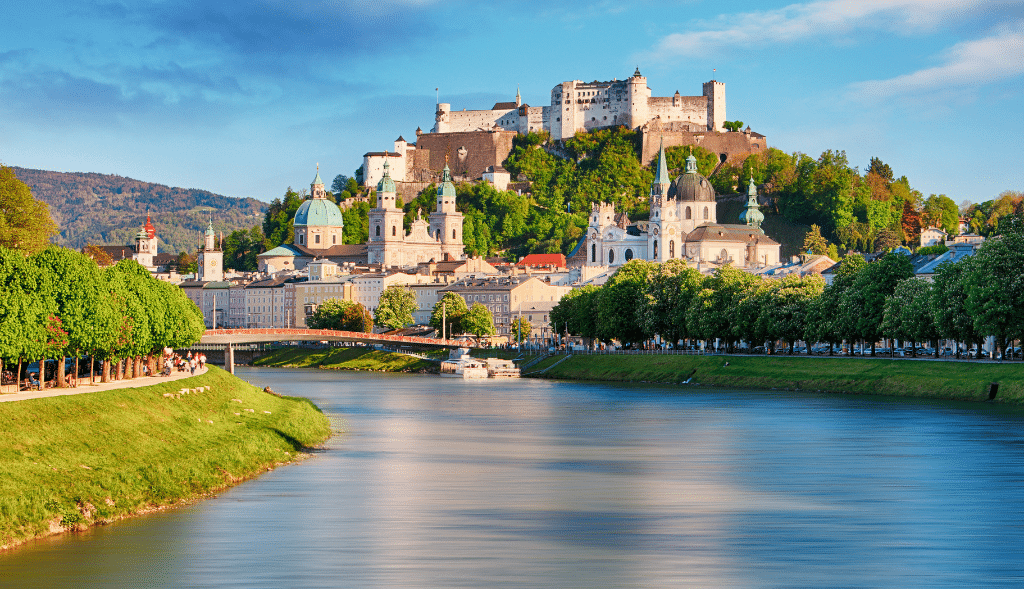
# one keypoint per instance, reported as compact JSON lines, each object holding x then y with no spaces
{"x":211,"y":258}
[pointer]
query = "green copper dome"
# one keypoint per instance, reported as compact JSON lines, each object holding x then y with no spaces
{"x":447,"y":187}
{"x":317,"y":180}
{"x":318,"y":212}
{"x":386,"y":184}
{"x":209,"y":229}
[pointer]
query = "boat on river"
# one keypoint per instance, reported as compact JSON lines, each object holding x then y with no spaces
{"x":461,"y":365}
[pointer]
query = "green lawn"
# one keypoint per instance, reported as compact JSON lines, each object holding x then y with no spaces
{"x":952,"y":380}
{"x":71,"y":461}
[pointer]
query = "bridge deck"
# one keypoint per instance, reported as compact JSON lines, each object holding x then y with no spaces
{"x":249,"y":336}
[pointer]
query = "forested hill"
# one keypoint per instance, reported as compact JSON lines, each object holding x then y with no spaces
{"x":104,"y":209}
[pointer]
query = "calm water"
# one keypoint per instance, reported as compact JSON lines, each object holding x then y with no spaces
{"x":443,"y":483}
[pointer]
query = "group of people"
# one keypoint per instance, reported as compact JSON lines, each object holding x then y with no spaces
{"x":189,"y":362}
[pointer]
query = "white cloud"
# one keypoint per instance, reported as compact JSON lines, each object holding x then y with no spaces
{"x":814,"y":20}
{"x":967,"y":64}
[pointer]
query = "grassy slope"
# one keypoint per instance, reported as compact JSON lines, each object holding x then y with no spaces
{"x":70,"y":461}
{"x":955,"y":380}
{"x":346,"y":359}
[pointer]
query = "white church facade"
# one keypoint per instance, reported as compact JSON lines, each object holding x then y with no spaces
{"x":683,"y":224}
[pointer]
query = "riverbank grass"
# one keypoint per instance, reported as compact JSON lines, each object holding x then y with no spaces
{"x":71,"y":461}
{"x":904,"y":378}
{"x":358,"y":358}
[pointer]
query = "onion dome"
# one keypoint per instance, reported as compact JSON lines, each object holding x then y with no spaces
{"x":447,"y":187}
{"x":752,"y":214}
{"x":690,"y":186}
{"x":150,"y":230}
{"x":209,"y":230}
{"x":386,"y":184}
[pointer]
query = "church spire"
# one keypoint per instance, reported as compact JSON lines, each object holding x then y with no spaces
{"x":752,"y":214}
{"x":519,"y":99}
{"x":662,"y":181}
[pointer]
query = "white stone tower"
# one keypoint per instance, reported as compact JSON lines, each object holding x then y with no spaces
{"x":211,"y":258}
{"x":715,"y":93}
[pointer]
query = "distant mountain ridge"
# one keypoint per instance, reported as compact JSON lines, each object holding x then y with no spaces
{"x":106,"y":209}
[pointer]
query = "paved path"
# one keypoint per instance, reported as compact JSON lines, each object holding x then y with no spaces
{"x":85,"y":387}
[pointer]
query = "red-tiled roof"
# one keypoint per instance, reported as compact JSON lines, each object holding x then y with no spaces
{"x":557,"y":260}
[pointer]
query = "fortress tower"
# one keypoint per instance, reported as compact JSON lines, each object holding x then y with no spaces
{"x":715,"y":93}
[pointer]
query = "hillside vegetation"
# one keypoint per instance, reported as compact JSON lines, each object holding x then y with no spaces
{"x":103,"y":209}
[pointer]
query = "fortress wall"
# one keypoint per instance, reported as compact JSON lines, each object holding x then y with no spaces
{"x":470,"y":153}
{"x":472,"y":120}
{"x":732,"y":144}
{"x":686,"y":108}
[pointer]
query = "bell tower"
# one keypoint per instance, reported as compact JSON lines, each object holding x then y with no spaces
{"x":387,"y":231}
{"x":210,"y":258}
{"x":446,"y":221}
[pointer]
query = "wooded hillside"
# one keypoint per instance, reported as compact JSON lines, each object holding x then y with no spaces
{"x":103,"y":209}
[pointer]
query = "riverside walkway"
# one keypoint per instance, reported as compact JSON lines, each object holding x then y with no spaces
{"x":85,"y":387}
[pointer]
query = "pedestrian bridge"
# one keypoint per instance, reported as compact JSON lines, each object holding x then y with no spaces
{"x":231,"y":337}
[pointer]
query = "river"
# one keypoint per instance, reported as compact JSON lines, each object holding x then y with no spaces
{"x":446,"y":483}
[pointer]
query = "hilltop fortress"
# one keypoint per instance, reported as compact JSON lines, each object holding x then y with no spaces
{"x":478,"y":141}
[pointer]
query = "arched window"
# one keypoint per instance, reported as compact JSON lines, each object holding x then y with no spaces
{"x":689,"y":214}
{"x":705,"y":212}
{"x":672,"y":248}
{"x":394,"y":230}
{"x":611,"y":256}
{"x":300,"y":239}
{"x":725,"y":255}
{"x":334,"y":240}
{"x":655,"y":255}
{"x":316,"y":238}
{"x":593,"y":253}
{"x":378,"y":230}
{"x":629,"y":255}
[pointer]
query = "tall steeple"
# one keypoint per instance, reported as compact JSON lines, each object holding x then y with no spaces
{"x":662,"y":181}
{"x":752,"y":214}
{"x":519,"y":99}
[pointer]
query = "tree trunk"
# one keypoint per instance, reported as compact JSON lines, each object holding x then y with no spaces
{"x":61,"y":382}
{"x":105,"y":377}
{"x":77,"y":354}
{"x":873,"y":349}
{"x":18,"y":378}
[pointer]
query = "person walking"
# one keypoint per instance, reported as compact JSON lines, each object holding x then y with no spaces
{"x":192,"y":365}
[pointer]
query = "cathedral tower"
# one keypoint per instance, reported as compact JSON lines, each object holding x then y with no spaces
{"x":387,"y":232}
{"x":446,"y":221}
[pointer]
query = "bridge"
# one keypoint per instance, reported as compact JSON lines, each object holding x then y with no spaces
{"x":231,"y":337}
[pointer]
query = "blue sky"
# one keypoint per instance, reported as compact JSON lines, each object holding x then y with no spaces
{"x":244,"y":99}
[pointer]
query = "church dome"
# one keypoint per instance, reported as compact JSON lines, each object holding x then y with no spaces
{"x":318,"y":212}
{"x":691,"y":186}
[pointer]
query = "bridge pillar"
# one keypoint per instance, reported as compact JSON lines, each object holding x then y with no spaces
{"x":229,"y":359}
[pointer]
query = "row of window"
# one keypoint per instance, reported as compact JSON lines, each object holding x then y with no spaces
{"x":316,"y":239}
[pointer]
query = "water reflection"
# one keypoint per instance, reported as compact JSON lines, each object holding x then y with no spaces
{"x":444,"y":483}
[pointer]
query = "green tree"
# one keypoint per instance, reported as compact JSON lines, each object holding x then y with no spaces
{"x":621,"y":306}
{"x":908,"y":313}
{"x":672,"y":288}
{"x":478,"y":321}
{"x":864,"y":302}
{"x":732,"y":126}
{"x":788,"y":310}
{"x":996,"y":286}
{"x":575,"y":312}
{"x":395,"y":307}
{"x":710,"y":316}
{"x":941,"y":211}
{"x":22,"y":316}
{"x":25,"y":223}
{"x":342,"y":315}
{"x":814,"y":243}
{"x":452,"y":308}
{"x":951,"y":288}
{"x":241,"y":248}
{"x":825,"y":317}
{"x":279,"y":220}
{"x":520,"y":329}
